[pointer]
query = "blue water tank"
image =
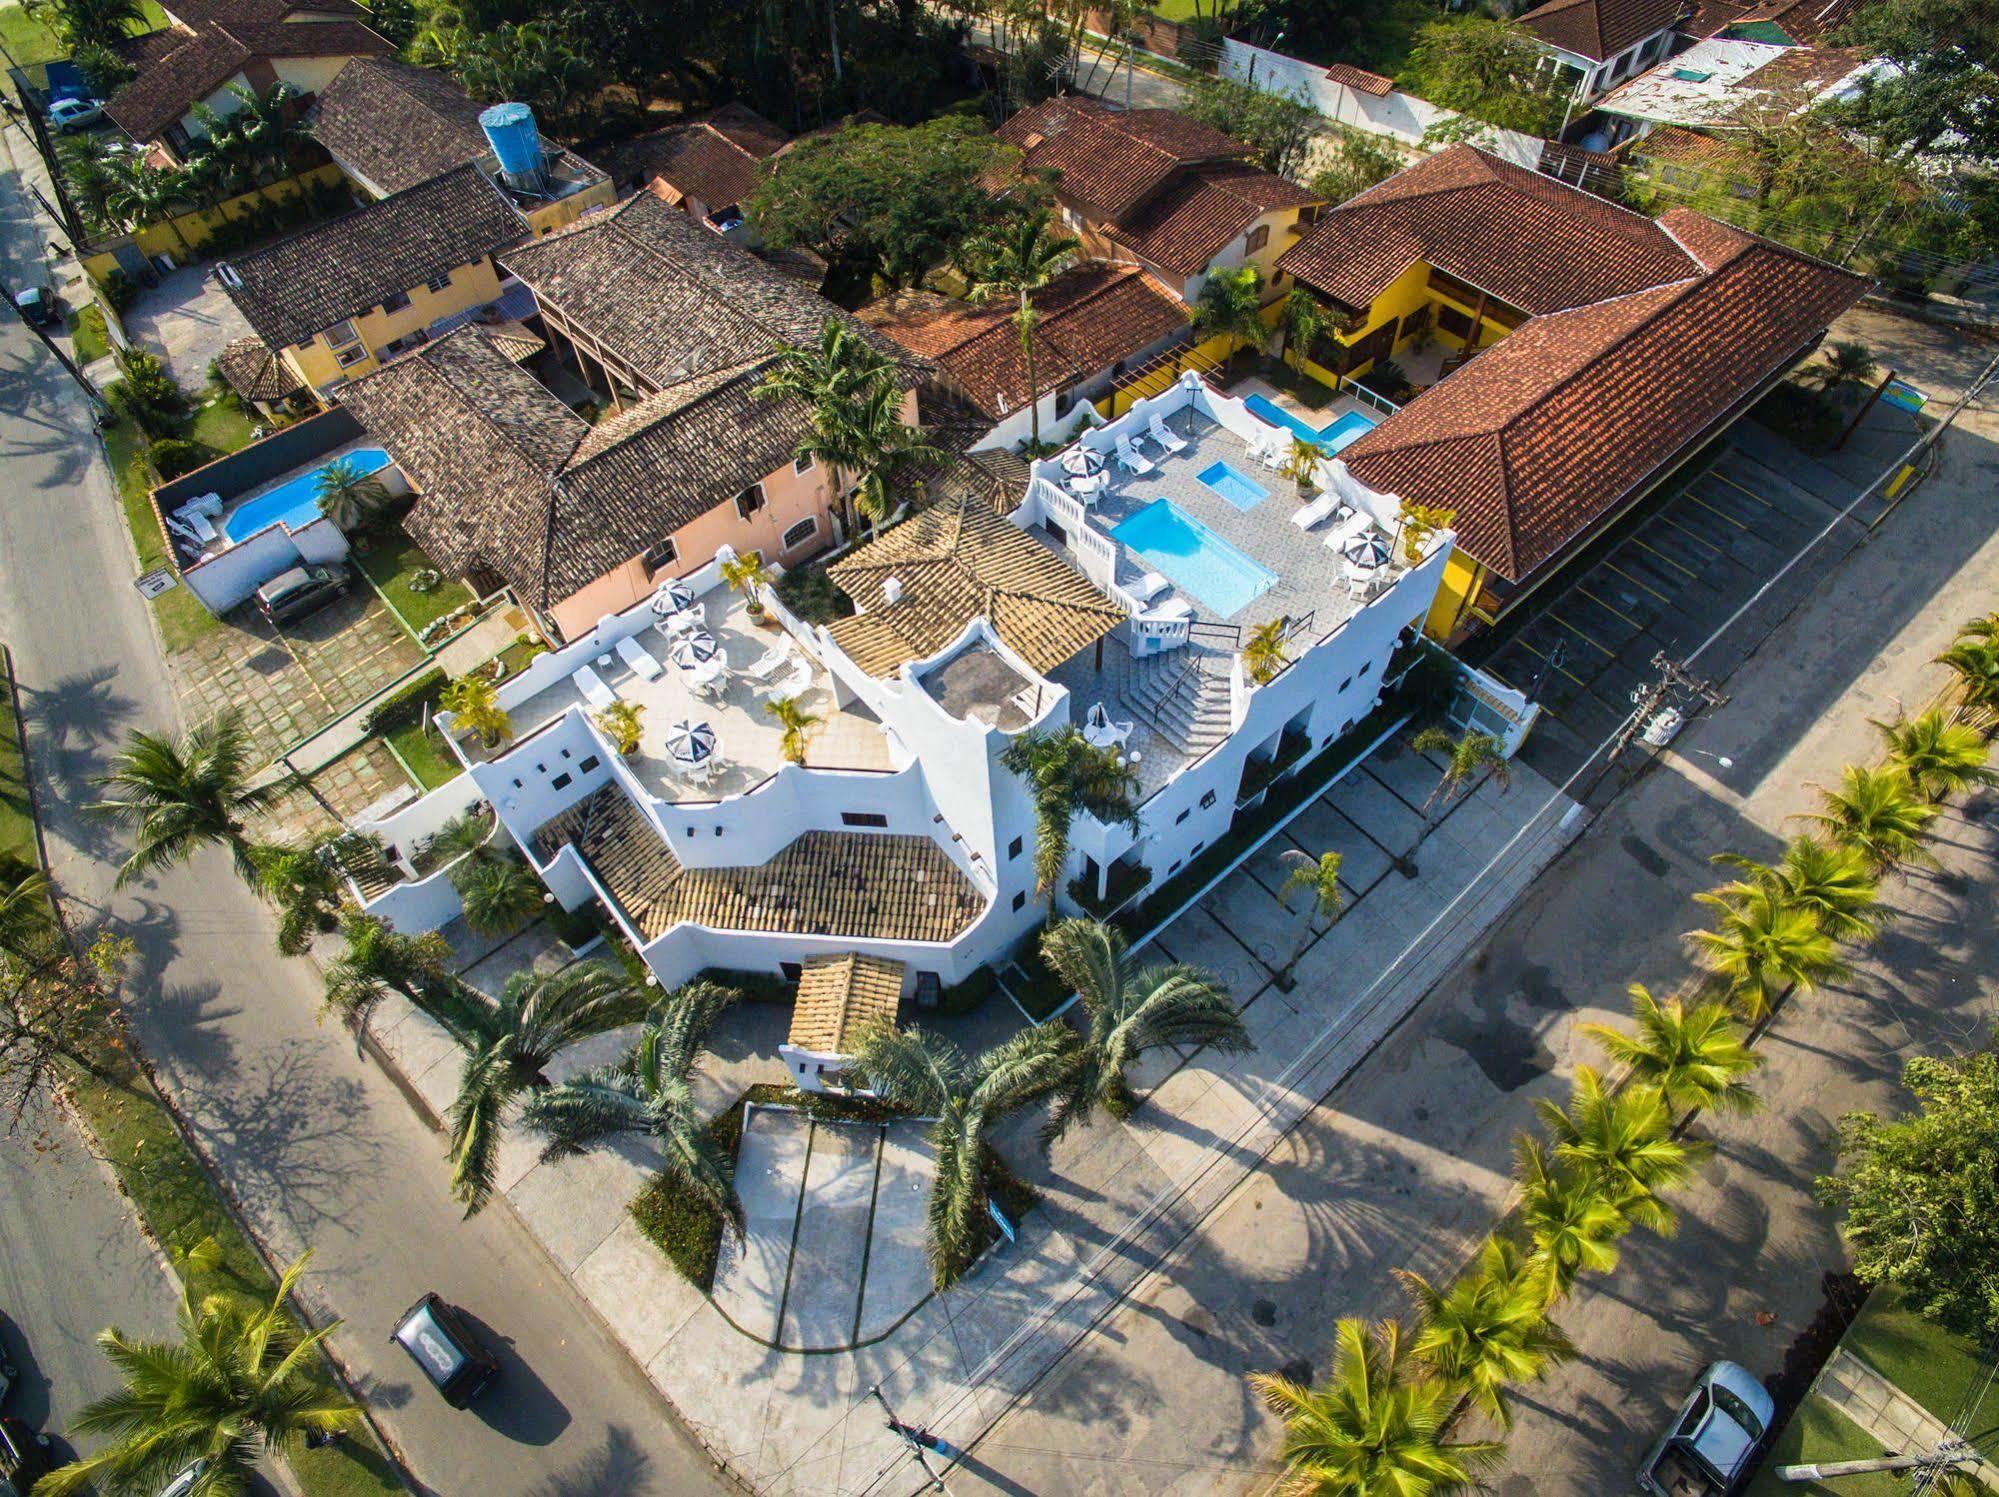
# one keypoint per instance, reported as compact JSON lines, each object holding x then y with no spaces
{"x":510,"y":129}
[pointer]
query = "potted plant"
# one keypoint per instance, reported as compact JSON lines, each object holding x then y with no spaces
{"x":1419,"y":523}
{"x":619,"y":722}
{"x":747,"y":575}
{"x":1301,"y":466}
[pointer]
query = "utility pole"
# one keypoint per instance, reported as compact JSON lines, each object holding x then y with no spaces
{"x":1649,"y":698}
{"x":919,"y":1440}
{"x":90,"y":391}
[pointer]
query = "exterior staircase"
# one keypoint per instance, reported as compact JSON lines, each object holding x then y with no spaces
{"x":1183,"y":695}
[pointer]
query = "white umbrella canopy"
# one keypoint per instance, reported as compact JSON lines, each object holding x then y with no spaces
{"x":1083,"y":463}
{"x":691,"y":742}
{"x":1369,"y":550}
{"x":672,"y":597}
{"x":691,"y":650}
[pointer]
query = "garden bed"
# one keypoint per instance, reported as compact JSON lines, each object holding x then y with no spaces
{"x":687,"y":1230}
{"x":182,"y":618}
{"x":394,"y":562}
{"x":90,"y":342}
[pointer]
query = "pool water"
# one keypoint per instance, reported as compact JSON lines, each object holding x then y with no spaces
{"x":1234,"y":485}
{"x":295,"y":503}
{"x":1218,"y":576}
{"x":1331,"y":439}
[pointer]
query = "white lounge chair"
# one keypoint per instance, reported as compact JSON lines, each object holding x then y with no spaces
{"x":639,"y":658}
{"x":1148,"y":587}
{"x":184,"y":530}
{"x":1306,"y":516}
{"x":1129,"y":459}
{"x":770,"y":662}
{"x":1164,"y":435}
{"x":790,"y":684}
{"x":205,"y":504}
{"x":1356,"y":523}
{"x":595,"y":692}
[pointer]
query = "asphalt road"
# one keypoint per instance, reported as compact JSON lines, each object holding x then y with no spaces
{"x":315,"y":1141}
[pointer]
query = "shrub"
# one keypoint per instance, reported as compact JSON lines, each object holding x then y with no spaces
{"x":173,"y":456}
{"x":145,"y":394}
{"x":425,"y":580}
{"x":119,"y":290}
{"x":811,"y":595}
{"x":404,"y":708}
{"x":688,"y":1230}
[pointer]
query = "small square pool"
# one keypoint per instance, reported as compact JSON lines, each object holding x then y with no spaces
{"x":1221,"y":578}
{"x":1234,"y":485}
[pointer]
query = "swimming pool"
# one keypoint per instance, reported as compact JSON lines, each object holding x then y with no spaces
{"x":1221,"y":578}
{"x":296,"y":503}
{"x":1234,"y":485}
{"x":1330,"y":439}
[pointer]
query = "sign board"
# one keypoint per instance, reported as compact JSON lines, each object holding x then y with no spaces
{"x":1904,"y":396}
{"x":159,"y":580}
{"x":999,"y":1219}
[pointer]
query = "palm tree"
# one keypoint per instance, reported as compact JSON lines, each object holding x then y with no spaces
{"x":1017,"y":259}
{"x":1377,"y":1427}
{"x":650,"y":1091}
{"x":620,"y":722}
{"x":348,"y":497}
{"x":1623,"y":1137}
{"x":186,"y":794}
{"x":1881,"y":813}
{"x":1694,"y":1060}
{"x":1762,"y":948}
{"x":27,"y":914}
{"x":747,"y":574}
{"x":1130,"y":1010}
{"x":379,"y":960}
{"x":305,"y":885}
{"x":833,"y":379}
{"x":1263,"y":656}
{"x":1231,"y":307}
{"x":1468,"y":757}
{"x":1066,"y":773}
{"x":147,"y":194}
{"x":931,"y":1077}
{"x":1304,"y":320}
{"x":509,"y":1046}
{"x":1845,"y":363}
{"x":499,"y":895}
{"x":797,"y":724}
{"x":887,"y":449}
{"x":1572,"y":1216}
{"x":1491,"y":1328}
{"x":474,"y":706}
{"x":266,"y":134}
{"x":1942,"y":759}
{"x":240,"y":1381}
{"x":1974,"y":660}
{"x":1320,"y":879}
{"x":89,"y":23}
{"x":1835,"y":882}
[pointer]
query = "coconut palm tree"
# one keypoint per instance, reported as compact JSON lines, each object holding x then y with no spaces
{"x":1835,"y":882}
{"x":1942,"y":759}
{"x":1231,"y":307}
{"x":1467,"y":758}
{"x":267,"y":135}
{"x":833,"y":378}
{"x":649,"y":1091}
{"x":1129,"y":1010}
{"x":185,"y":794}
{"x":89,"y":23}
{"x":499,"y":895}
{"x":1974,"y":661}
{"x":474,"y":706}
{"x":1695,"y":1059}
{"x":1489,"y":1329}
{"x":1572,"y":1215}
{"x":1263,"y":656}
{"x":305,"y":885}
{"x":797,"y":724}
{"x":1376,"y":1428}
{"x":1017,"y":259}
{"x":1066,"y":773}
{"x":1625,"y":1138}
{"x":242,"y":1380}
{"x":378,"y":960}
{"x":1880,"y":812}
{"x":931,"y":1077}
{"x":351,"y":499}
{"x":27,"y":913}
{"x":1762,"y":948}
{"x":747,"y":574}
{"x":147,"y":194}
{"x":1319,"y":879}
{"x":1304,"y":320}
{"x":509,"y":1045}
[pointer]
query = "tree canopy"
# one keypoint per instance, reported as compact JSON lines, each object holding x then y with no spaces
{"x":1942,"y":95}
{"x":1488,"y":69}
{"x":1281,"y":128}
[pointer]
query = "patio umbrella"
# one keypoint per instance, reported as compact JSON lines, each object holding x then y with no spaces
{"x":1083,"y":463}
{"x":691,"y":650}
{"x":672,"y":597}
{"x":1369,"y":550}
{"x":691,"y":743}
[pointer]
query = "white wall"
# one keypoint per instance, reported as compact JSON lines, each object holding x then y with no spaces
{"x":522,"y":786}
{"x":229,"y":577}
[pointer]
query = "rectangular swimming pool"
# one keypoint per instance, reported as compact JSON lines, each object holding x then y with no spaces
{"x":1220,"y":577}
{"x":296,"y":503}
{"x":1331,"y":439}
{"x":1234,"y":485}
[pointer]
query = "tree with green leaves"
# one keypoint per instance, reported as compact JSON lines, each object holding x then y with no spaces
{"x":350,"y":498}
{"x":889,"y":453}
{"x":795,"y":724}
{"x":145,"y":393}
{"x":1231,"y":306}
{"x":241,"y":1381}
{"x":1695,"y":1059}
{"x":650,"y":1091}
{"x":1845,"y":363}
{"x":1355,"y":161}
{"x":90,"y":171}
{"x":1019,"y":257}
{"x":1264,"y":653}
{"x":474,"y":704}
{"x":1489,"y":69}
{"x":1282,"y":128}
{"x":1881,"y":813}
{"x":1941,"y":758}
{"x":1066,"y":773}
{"x":1624,"y":1137}
{"x":305,"y":886}
{"x":1304,"y":319}
{"x":1128,"y":1010}
{"x":1762,"y":948}
{"x":181,"y":795}
{"x":1941,"y":94}
{"x":1490,"y":1329}
{"x":1470,"y":758}
{"x":27,"y":911}
{"x":1921,"y":1194}
{"x":931,"y":1077}
{"x":1836,"y":883}
{"x":532,"y":61}
{"x":146,"y":194}
{"x":377,"y":959}
{"x":1377,"y":1426}
{"x":1973,"y":659}
{"x":499,"y":895}
{"x":60,"y":1012}
{"x":1572,"y":1215}
{"x":1318,"y":879}
{"x":837,"y":380}
{"x":89,"y":23}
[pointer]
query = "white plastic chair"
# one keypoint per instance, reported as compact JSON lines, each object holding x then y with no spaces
{"x":1148,"y":587}
{"x":639,"y":658}
{"x":796,"y":680}
{"x":1164,"y":435}
{"x":1311,"y":514}
{"x":1129,"y":459}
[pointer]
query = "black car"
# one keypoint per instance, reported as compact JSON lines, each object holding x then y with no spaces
{"x":451,"y":1355}
{"x":290,"y":596}
{"x":24,"y":1457}
{"x":39,"y":305}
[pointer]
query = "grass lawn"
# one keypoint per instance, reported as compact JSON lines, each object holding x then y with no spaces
{"x":221,"y":425}
{"x":182,"y":617}
{"x":423,"y":757}
{"x":28,"y":41}
{"x":17,"y":812}
{"x":1819,"y":1432}
{"x":390,"y":561}
{"x":87,"y":328}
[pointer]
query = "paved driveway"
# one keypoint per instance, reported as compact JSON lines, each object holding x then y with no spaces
{"x":187,"y":319}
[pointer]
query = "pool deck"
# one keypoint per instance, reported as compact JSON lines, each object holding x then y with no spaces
{"x":236,"y":502}
{"x":1318,"y":420}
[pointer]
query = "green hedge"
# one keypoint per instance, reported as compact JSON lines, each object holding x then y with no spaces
{"x":687,"y":1230}
{"x":403,"y":708}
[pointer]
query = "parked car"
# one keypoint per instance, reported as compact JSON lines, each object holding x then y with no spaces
{"x":24,"y":1457}
{"x":38,"y":304}
{"x":292,"y":595}
{"x":1714,"y":1438}
{"x":444,"y":1345}
{"x":73,"y":114}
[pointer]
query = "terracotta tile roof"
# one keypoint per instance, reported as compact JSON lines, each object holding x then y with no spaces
{"x":1803,"y":21}
{"x":840,"y":998}
{"x":1200,"y":210}
{"x":1545,"y":434}
{"x":1806,"y":69}
{"x":956,"y":564}
{"x":1091,"y":317}
{"x":341,"y":267}
{"x":714,"y":159}
{"x":1113,"y":159}
{"x":1598,"y":29}
{"x":1360,"y":80}
{"x":1531,"y":241}
{"x":254,"y":372}
{"x":1682,"y":147}
{"x":397,"y":125}
{"x":1712,"y":17}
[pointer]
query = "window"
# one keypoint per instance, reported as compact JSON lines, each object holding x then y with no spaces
{"x":802,"y":463}
{"x":340,"y":335}
{"x":863,"y":818}
{"x":792,"y":970}
{"x":396,"y":303}
{"x":589,"y":763}
{"x":1207,"y":800}
{"x":1173,"y":868}
{"x":347,"y":358}
{"x":1020,"y":899}
{"x":1451,"y":320}
{"x":662,"y":555}
{"x":442,"y":283}
{"x":800,"y":533}
{"x":1258,"y":238}
{"x":1307,"y":216}
{"x":1183,"y":815}
{"x":1365,"y":669}
{"x":750,"y":500}
{"x":1346,"y":683}
{"x":561,"y":781}
{"x":1013,"y":848}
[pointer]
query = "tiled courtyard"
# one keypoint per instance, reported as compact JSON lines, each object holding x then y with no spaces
{"x":362,"y":778}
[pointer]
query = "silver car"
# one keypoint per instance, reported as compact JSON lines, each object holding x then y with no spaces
{"x":1714,"y":1438}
